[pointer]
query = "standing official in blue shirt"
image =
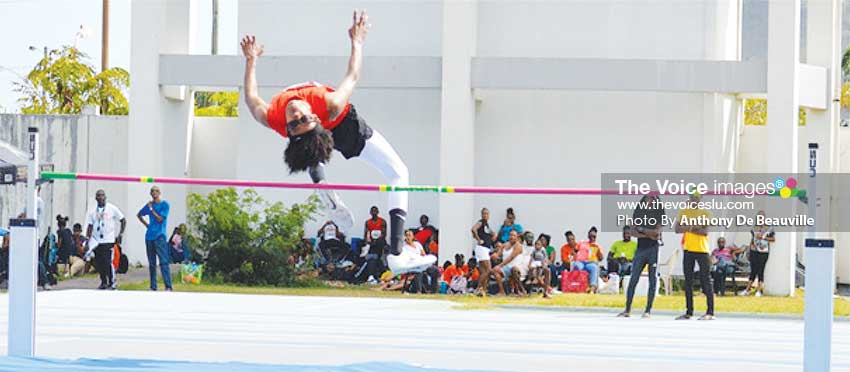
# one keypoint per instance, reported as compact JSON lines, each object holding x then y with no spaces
{"x":157,"y":212}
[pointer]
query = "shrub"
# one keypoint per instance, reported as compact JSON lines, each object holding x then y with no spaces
{"x":246,"y":240}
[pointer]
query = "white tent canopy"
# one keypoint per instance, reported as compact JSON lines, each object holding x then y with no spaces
{"x":10,"y":154}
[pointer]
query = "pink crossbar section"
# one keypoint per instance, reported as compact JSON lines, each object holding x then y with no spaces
{"x":352,"y":187}
{"x":234,"y":183}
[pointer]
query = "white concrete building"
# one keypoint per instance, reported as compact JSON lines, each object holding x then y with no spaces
{"x":498,"y":93}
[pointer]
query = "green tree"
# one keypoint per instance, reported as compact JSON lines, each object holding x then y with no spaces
{"x":63,"y":83}
{"x":246,"y":240}
{"x":217,"y":104}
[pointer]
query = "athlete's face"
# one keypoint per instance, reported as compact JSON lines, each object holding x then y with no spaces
{"x":408,"y":236}
{"x":300,"y":118}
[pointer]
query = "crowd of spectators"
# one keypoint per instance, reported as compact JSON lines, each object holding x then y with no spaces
{"x":508,"y":260}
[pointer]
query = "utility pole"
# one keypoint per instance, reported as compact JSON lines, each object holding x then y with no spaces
{"x":104,"y":48}
{"x":214,"y":27}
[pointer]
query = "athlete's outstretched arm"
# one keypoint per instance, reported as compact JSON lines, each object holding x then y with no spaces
{"x":252,"y":53}
{"x":357,"y":33}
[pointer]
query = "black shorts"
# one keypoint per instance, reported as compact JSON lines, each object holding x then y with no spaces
{"x":351,"y":134}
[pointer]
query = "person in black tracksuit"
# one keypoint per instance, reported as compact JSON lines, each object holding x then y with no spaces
{"x":647,"y":228}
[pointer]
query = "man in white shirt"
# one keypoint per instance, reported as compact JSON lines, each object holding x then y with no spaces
{"x":101,"y":235}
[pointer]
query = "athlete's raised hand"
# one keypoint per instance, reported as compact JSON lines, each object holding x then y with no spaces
{"x":250,"y":48}
{"x":359,"y":27}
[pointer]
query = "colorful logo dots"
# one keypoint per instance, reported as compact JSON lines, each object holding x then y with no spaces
{"x":791,"y":182}
{"x":787,"y":187}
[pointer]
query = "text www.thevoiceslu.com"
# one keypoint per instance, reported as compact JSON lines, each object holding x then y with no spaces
{"x":685,"y":204}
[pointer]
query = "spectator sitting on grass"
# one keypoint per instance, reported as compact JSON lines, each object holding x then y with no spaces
{"x":472,"y":274}
{"x":332,"y":243}
{"x":452,"y":270}
{"x":448,"y":271}
{"x":77,"y":262}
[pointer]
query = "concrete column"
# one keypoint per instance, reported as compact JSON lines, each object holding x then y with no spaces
{"x":457,"y":126}
{"x":824,"y":49}
{"x":783,"y":56}
{"x":720,"y":111}
{"x":158,"y":115}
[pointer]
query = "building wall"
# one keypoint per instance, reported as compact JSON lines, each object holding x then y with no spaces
{"x":72,"y":143}
{"x":569,"y":140}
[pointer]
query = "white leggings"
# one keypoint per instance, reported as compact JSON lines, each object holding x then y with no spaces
{"x":381,"y":155}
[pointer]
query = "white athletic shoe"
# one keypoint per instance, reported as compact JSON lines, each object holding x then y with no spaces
{"x":758,"y":293}
{"x":336,"y":210}
{"x":744,"y":293}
